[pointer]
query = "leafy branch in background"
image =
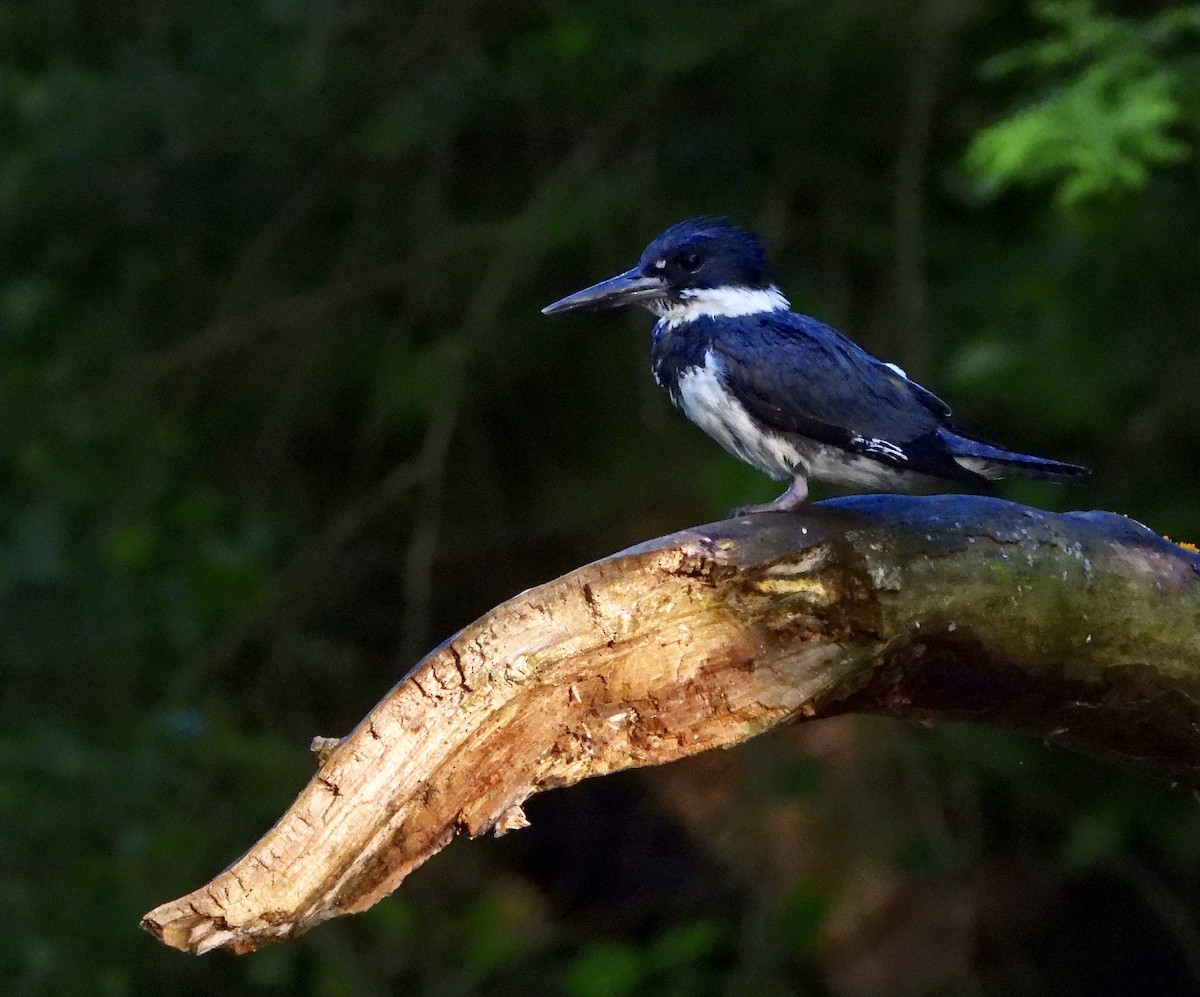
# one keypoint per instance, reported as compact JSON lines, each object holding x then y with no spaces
{"x":1112,"y":104}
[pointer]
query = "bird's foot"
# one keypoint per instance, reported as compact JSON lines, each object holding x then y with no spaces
{"x":795,"y":496}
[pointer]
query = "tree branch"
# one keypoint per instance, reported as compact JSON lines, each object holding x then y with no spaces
{"x":1081,"y":626}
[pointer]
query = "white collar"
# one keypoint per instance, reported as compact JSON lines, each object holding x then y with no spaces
{"x":707,"y":302}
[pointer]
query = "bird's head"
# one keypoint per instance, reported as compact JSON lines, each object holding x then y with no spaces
{"x":703,"y":265}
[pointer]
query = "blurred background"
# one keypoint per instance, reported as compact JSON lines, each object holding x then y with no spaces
{"x":279,"y":413}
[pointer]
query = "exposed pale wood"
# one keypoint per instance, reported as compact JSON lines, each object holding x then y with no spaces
{"x":1085,"y":626}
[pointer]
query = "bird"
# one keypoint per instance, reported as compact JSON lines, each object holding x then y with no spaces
{"x":784,"y":392}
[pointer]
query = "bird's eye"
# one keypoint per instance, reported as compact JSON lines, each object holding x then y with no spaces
{"x":690,"y":262}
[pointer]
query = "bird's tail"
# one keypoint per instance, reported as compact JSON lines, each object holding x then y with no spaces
{"x":995,"y":462}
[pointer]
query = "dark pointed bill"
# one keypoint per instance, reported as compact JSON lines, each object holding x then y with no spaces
{"x":623,"y":289}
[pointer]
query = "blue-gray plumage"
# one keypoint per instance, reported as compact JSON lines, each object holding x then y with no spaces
{"x":784,"y":392}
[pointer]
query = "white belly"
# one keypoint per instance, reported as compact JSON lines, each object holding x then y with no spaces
{"x":703,"y":397}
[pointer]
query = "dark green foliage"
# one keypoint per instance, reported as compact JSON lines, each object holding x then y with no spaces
{"x":1108,"y":104}
{"x":279,"y":413}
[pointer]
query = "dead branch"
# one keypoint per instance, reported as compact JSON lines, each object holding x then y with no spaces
{"x":1083,"y":626}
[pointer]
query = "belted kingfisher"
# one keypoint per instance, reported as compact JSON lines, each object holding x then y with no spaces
{"x":785,"y":392}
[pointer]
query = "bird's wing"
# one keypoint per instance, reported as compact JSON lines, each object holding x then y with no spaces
{"x":798,"y":375}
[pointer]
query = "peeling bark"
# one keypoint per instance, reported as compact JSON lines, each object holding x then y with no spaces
{"x":1082,"y":626}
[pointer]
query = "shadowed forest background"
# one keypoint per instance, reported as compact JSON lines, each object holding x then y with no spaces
{"x":279,"y":414}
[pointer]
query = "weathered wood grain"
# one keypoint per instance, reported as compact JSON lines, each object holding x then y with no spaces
{"x":1083,"y":625}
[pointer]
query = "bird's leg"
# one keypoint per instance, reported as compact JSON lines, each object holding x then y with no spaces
{"x":795,"y":495}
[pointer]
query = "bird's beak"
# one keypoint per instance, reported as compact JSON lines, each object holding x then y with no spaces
{"x":624,"y":289}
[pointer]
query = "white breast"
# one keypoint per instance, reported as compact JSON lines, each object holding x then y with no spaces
{"x":702,"y":395}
